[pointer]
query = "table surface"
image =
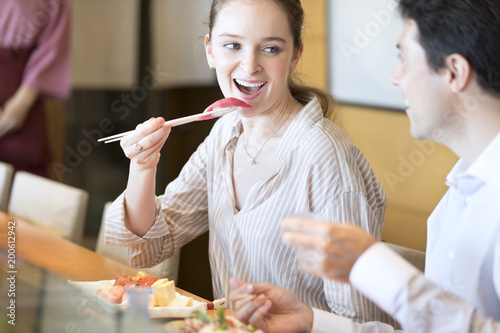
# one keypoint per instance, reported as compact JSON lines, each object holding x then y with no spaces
{"x":59,"y":256}
{"x":63,"y":257}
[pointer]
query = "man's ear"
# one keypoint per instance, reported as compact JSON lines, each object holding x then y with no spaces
{"x":460,"y":72}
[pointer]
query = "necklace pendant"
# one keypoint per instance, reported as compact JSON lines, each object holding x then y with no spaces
{"x":269,"y":138}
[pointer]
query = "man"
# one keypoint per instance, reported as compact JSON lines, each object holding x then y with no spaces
{"x":449,"y":73}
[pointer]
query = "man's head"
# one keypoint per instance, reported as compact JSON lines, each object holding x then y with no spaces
{"x":466,"y":27}
{"x":449,"y":56}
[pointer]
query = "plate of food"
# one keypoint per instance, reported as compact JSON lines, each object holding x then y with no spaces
{"x":164,"y":301}
{"x":202,"y":323}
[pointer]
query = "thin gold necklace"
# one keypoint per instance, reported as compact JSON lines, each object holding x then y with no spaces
{"x":254,"y":158}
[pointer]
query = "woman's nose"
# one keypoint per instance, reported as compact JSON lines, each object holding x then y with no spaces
{"x":250,"y":63}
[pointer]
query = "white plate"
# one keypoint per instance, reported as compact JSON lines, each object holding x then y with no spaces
{"x":91,"y":287}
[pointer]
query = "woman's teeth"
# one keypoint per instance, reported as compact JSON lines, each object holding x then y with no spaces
{"x":248,"y":87}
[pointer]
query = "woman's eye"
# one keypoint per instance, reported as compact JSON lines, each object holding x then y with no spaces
{"x":233,"y":46}
{"x":272,"y":49}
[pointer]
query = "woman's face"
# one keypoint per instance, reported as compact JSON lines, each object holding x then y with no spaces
{"x":252,"y":50}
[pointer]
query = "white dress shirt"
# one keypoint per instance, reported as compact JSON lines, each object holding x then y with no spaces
{"x":461,"y":288}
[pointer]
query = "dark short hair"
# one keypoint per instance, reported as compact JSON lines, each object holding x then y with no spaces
{"x":465,"y":27}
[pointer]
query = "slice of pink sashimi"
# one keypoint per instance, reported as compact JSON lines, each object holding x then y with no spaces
{"x":104,"y":288}
{"x":115,"y":294}
{"x":224,"y":103}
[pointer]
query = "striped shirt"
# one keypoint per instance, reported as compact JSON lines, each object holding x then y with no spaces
{"x":323,"y":173}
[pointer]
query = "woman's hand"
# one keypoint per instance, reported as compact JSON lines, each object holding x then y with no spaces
{"x":11,"y":120}
{"x":15,"y":111}
{"x":143,"y":145}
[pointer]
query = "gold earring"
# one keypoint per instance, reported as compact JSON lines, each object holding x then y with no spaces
{"x":211,"y":66}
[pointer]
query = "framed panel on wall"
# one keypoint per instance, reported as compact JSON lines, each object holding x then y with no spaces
{"x":104,"y":40}
{"x":363,"y":35}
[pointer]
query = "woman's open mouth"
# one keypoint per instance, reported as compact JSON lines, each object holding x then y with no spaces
{"x":249,"y":88}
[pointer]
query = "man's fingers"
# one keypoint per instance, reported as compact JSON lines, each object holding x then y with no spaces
{"x":300,"y":240}
{"x":311,"y":259}
{"x":305,"y":226}
{"x":245,"y":308}
{"x":241,"y":299}
{"x":257,"y":318}
{"x":235,"y":283}
{"x":241,"y":293}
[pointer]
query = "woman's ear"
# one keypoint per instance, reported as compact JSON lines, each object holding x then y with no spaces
{"x":208,"y":51}
{"x":460,"y":72}
{"x":296,"y":57}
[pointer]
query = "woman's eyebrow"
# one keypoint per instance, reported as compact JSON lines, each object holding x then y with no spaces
{"x":266,"y":39}
{"x":229,"y":35}
{"x":275,"y":39}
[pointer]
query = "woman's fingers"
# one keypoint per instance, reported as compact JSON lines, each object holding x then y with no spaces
{"x":146,"y":140}
{"x":143,"y":130}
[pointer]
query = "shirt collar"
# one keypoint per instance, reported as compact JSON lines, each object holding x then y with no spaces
{"x":237,"y":127}
{"x":486,"y":167}
{"x":310,"y":114}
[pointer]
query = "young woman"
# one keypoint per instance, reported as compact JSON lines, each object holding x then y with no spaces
{"x":280,"y":157}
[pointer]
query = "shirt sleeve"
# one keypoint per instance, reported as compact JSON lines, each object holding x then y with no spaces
{"x":417,"y":303}
{"x":48,"y":68}
{"x":327,"y":322}
{"x":180,"y":216}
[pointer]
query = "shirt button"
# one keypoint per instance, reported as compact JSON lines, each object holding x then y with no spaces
{"x":469,"y":200}
{"x":451,"y":255}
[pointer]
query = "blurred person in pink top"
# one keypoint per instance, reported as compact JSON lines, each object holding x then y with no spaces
{"x":34,"y":63}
